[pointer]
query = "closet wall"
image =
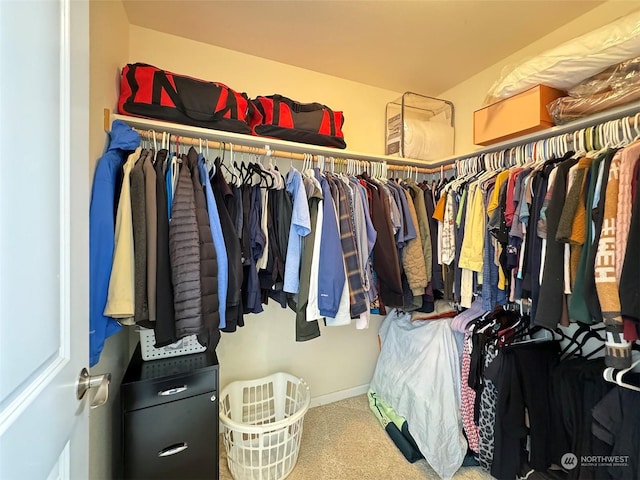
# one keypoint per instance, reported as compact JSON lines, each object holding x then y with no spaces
{"x":109,"y":46}
{"x":364,"y":106}
{"x":469,"y":95}
{"x":342,"y":358}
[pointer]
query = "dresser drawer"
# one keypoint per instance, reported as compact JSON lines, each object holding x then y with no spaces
{"x":174,"y":440}
{"x":147,"y":393}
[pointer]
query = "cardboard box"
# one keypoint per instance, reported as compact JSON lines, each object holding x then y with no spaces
{"x":521,"y":114}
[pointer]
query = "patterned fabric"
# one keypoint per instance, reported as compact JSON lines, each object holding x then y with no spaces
{"x":357,"y":301}
{"x":448,"y":230}
{"x":629,"y":157}
{"x":412,"y":259}
{"x":618,"y":350}
{"x":488,"y":401}
{"x":468,"y":398}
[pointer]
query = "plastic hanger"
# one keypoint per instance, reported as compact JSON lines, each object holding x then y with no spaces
{"x":232,"y":172}
{"x":621,"y":130}
{"x":155,"y":141}
{"x":625,"y":126}
{"x":609,"y":373}
{"x":636,"y":127}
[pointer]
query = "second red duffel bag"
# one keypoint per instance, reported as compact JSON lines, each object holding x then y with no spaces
{"x":280,"y":117}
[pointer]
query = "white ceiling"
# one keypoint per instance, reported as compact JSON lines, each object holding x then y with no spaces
{"x":423,"y":46}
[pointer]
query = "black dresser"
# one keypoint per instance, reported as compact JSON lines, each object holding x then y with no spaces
{"x":170,"y":417}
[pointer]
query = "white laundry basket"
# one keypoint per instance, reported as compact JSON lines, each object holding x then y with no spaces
{"x":262,"y":425}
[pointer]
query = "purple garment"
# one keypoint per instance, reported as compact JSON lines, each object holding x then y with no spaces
{"x":459,"y":322}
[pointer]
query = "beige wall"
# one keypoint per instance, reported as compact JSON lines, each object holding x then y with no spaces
{"x":109,"y":30}
{"x":469,"y":95}
{"x":342,"y":357}
{"x":363,"y":105}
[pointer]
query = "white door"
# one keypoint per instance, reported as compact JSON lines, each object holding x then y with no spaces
{"x":44,"y":211}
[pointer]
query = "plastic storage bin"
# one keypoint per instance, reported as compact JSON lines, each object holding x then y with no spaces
{"x":184,"y":346}
{"x":420,"y":127}
{"x":262,"y":425}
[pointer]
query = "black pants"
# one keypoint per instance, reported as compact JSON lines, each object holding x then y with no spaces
{"x":577,"y":387}
{"x":522,"y":375}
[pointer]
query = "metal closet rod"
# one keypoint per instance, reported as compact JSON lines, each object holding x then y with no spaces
{"x":630,"y":111}
{"x":238,"y":148}
{"x":242,"y":139}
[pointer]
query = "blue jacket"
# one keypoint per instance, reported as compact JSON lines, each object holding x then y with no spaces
{"x":331,"y":274}
{"x":218,"y":242}
{"x":101,"y":233}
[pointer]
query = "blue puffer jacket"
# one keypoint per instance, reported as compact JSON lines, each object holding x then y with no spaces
{"x":101,"y":233}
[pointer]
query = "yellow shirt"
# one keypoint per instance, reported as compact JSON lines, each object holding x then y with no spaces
{"x":472,"y":250}
{"x":495,"y":195}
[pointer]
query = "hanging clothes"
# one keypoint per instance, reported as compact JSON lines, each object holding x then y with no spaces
{"x":184,"y":250}
{"x":225,"y":198}
{"x":551,"y":303}
{"x":139,"y":225}
{"x":300,"y":228}
{"x":385,"y":255}
{"x":102,"y":222}
{"x":165,"y":326}
{"x":209,"y":334}
{"x":121,"y":297}
{"x":307,"y":327}
{"x":331,"y":274}
{"x":618,"y":348}
{"x":151,"y":218}
{"x":218,"y":242}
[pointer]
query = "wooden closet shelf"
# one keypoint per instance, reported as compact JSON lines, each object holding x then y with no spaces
{"x":279,"y":148}
{"x":297,"y":150}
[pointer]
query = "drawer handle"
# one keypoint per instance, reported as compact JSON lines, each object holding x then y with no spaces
{"x":173,"y":449}
{"x":213,"y":398}
{"x":172,"y":391}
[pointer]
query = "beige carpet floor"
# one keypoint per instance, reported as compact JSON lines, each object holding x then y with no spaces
{"x":344,"y":441}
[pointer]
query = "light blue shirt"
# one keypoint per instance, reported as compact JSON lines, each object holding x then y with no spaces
{"x":218,"y":242}
{"x":596,"y":197}
{"x":300,"y":228}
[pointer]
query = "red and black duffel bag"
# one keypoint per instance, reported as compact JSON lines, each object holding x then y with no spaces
{"x":280,"y":117}
{"x":147,"y":91}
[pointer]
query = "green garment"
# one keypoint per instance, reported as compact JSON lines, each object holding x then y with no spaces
{"x":578,"y":310}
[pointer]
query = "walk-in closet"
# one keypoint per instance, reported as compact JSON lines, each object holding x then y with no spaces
{"x":320,"y":240}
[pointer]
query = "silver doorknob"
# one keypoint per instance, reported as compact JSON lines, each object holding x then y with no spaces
{"x":98,"y":382}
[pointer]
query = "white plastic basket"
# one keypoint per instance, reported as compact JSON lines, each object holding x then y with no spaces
{"x":184,"y":346}
{"x":262,"y":425}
